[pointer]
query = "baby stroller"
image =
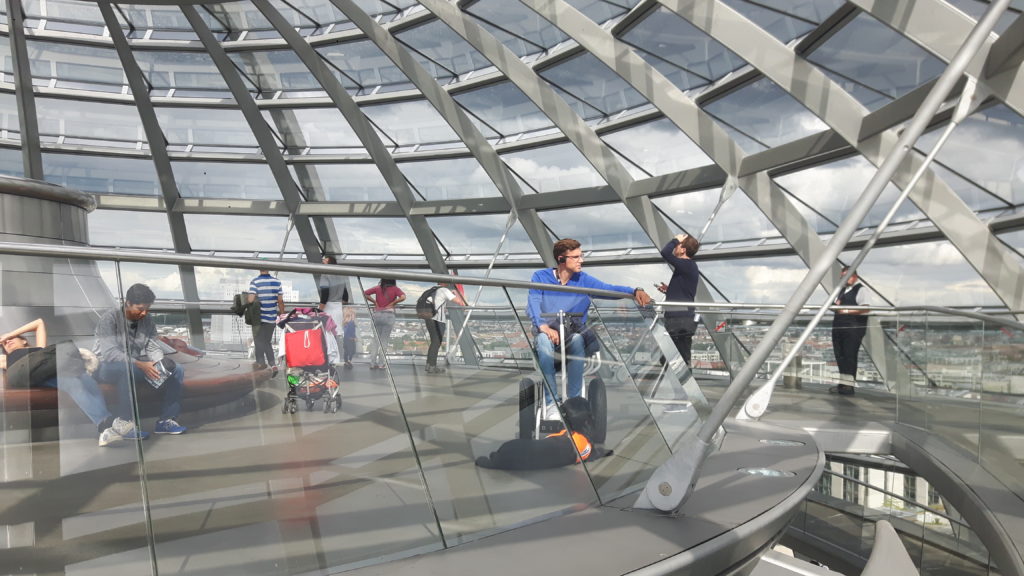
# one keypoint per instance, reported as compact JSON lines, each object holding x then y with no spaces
{"x":310,"y":351}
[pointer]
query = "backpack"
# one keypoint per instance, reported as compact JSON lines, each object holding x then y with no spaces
{"x":239,"y":304}
{"x":425,"y":306}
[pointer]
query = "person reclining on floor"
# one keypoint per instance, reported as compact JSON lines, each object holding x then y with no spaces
{"x":57,"y":366}
{"x":542,"y":304}
{"x":569,"y":446}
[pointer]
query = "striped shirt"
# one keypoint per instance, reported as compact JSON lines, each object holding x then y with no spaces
{"x":267,"y":289}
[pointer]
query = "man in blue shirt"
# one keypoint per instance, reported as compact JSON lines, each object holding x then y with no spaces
{"x":541,"y":304}
{"x":267,"y":290}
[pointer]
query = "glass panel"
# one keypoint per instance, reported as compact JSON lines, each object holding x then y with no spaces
{"x":443,"y":52}
{"x":10,"y":129}
{"x":102,"y":174}
{"x":602,"y":227}
{"x":75,"y":67}
{"x":187,"y":74}
{"x":342,"y":182}
{"x":314,"y":130}
{"x":586,"y":78}
{"x":831,"y":189}
{"x":11,"y":162}
{"x":815,"y":11}
{"x":51,"y":439}
{"x":243,"y":20}
{"x":225,"y":180}
{"x":784,"y":27}
{"x":738,"y":219}
{"x":449,"y":179}
{"x":387,"y":236}
{"x":322,"y":13}
{"x":160,"y":23}
{"x":206,"y":129}
{"x":658,"y":147}
{"x":987,"y":148}
{"x":63,"y":16}
{"x":518,"y":27}
{"x":221,"y":233}
{"x":81,"y":122}
{"x":117,"y":228}
{"x":479,"y":234}
{"x":758,"y":280}
{"x":272,"y":71}
{"x":600,"y":10}
{"x":363,"y":64}
{"x":553,"y":168}
{"x":766,"y":113}
{"x":503,"y":108}
{"x":413,"y":123}
{"x":868,"y":53}
{"x":664,"y":35}
{"x":932,"y":272}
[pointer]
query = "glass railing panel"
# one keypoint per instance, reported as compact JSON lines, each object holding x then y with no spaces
{"x":638,"y":430}
{"x":473,"y":410}
{"x":330,"y":485}
{"x":67,"y":498}
{"x":1001,"y":396}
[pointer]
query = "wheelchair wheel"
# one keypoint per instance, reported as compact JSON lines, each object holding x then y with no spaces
{"x":327,"y":404}
{"x":527,"y":408}
{"x":309,"y":405}
{"x":293,"y":406}
{"x":285,"y":405}
{"x":598,"y":399}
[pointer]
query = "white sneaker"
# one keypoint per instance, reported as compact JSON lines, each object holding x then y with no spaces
{"x":551,"y":411}
{"x":109,"y":436}
{"x":127,"y":430}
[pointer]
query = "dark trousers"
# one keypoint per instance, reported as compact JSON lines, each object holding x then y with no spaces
{"x":350,"y":349}
{"x":681,"y":330}
{"x":261,"y":341}
{"x":436,"y":331}
{"x":846,"y":339}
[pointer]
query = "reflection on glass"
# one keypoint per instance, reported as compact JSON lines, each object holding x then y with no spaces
{"x":479,"y":234}
{"x":832,"y":189}
{"x":766,"y":113}
{"x":522,"y":30}
{"x":225,"y":180}
{"x":76,"y":67}
{"x":364,"y":65}
{"x":187,"y":74}
{"x":932,"y":272}
{"x":83,"y":122}
{"x":272,"y":71}
{"x":221,"y":233}
{"x":503,"y":108}
{"x":868,"y":53}
{"x":413,"y":123}
{"x":314,"y":130}
{"x":757,"y":281}
{"x":607,"y":226}
{"x":388,"y":236}
{"x":658,"y":147}
{"x":342,"y":182}
{"x":64,"y":16}
{"x":208,"y":129}
{"x":784,"y":27}
{"x":663,"y":34}
{"x":553,"y":168}
{"x":161,"y":23}
{"x":129,"y":229}
{"x":102,"y":174}
{"x":987,"y":148}
{"x":589,"y":80}
{"x":738,"y":219}
{"x":10,"y":162}
{"x":449,"y":179}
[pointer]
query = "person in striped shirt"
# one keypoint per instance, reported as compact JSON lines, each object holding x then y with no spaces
{"x":267,"y":290}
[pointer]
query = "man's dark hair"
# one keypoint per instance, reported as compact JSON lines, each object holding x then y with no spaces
{"x":564,"y":246}
{"x":139,"y":294}
{"x":692,"y":245}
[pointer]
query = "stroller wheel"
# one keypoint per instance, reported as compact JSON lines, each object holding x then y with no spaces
{"x":327,"y":405}
{"x":337,"y":404}
{"x":293,"y":406}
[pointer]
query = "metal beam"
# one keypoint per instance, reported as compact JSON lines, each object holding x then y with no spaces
{"x":31,"y":153}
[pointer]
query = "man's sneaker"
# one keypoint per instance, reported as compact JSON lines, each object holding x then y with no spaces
{"x":168,"y":426}
{"x":551,"y":411}
{"x":109,"y":436}
{"x":127,"y":430}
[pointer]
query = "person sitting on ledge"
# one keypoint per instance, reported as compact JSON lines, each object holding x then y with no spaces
{"x":137,"y":364}
{"x":57,"y":366}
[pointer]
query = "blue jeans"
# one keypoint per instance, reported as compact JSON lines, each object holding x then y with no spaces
{"x":117,"y":374}
{"x":383,"y":322}
{"x":85,"y":392}
{"x":574,"y":358}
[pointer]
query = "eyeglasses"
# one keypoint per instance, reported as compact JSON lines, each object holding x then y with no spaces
{"x":576,"y":257}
